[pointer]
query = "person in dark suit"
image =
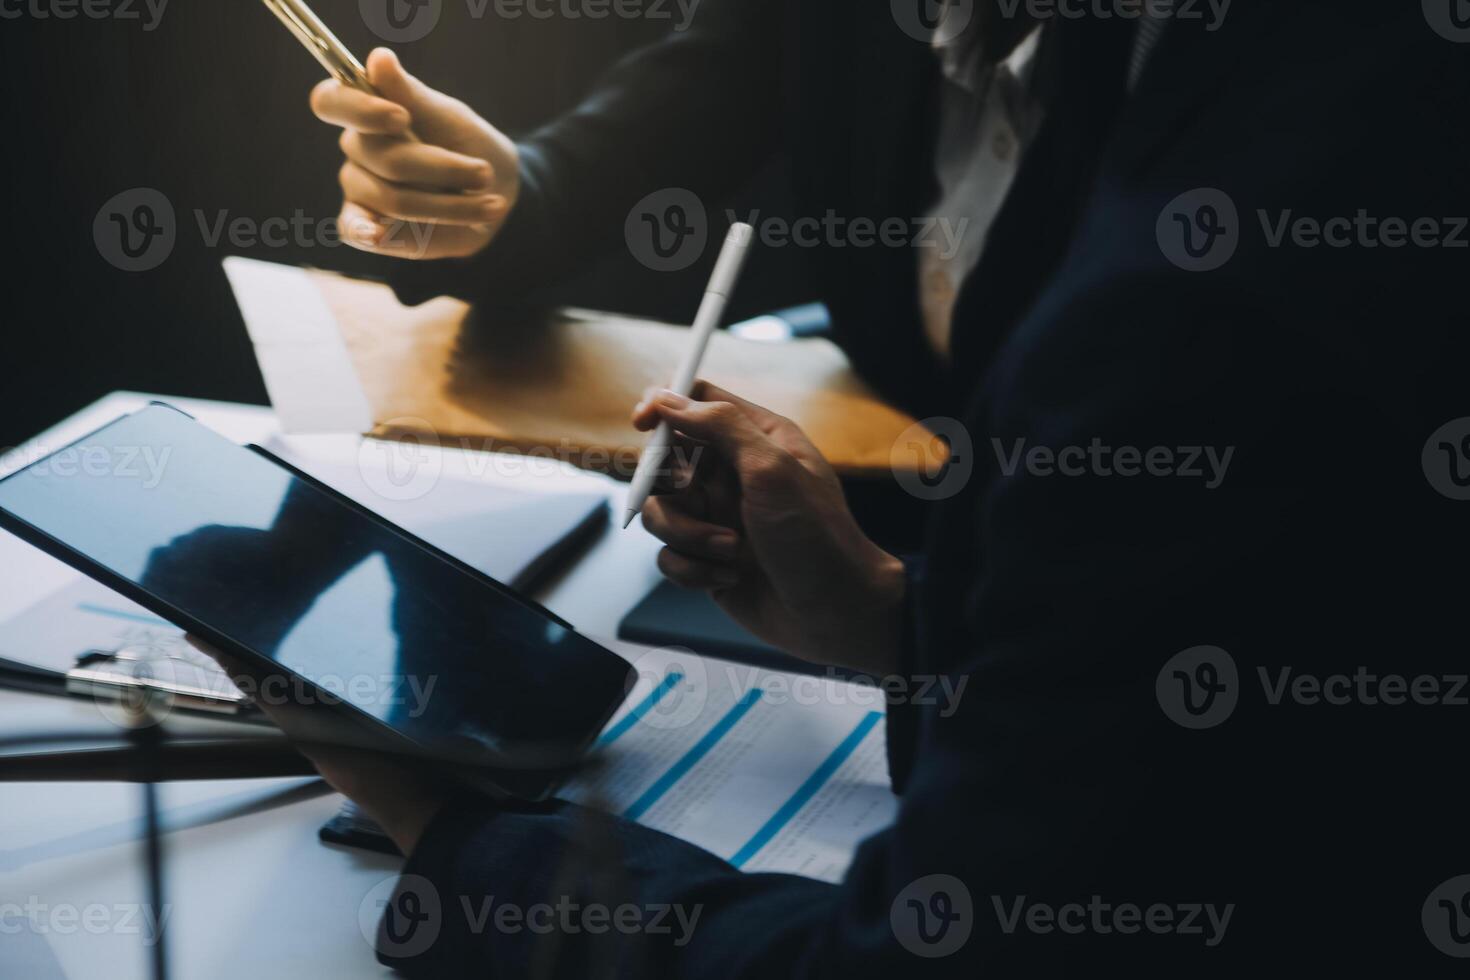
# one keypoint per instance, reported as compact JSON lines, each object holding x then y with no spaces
{"x":1195,"y":553}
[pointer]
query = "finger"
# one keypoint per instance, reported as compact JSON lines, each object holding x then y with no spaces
{"x":644,"y":416}
{"x":680,"y":467}
{"x":249,"y":683}
{"x":722,"y":424}
{"x":227,"y":663}
{"x":694,"y":573}
{"x":371,"y":232}
{"x":685,"y":465}
{"x":411,"y":162}
{"x":339,"y":105}
{"x":395,"y":201}
{"x":764,"y":418}
{"x":426,"y":105}
{"x":345,"y":770}
{"x":688,"y":534}
{"x":322,"y":755}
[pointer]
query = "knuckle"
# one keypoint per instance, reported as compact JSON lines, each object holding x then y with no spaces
{"x":682,"y":535}
{"x":655,"y":518}
{"x":722,"y":413}
{"x":768,"y":470}
{"x":388,"y":161}
{"x":671,"y":563}
{"x":452,"y":207}
{"x":475,"y":174}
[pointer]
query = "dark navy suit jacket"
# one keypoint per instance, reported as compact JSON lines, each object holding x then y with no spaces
{"x":1325,"y":561}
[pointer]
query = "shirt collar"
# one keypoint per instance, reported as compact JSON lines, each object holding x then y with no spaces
{"x":971,"y":45}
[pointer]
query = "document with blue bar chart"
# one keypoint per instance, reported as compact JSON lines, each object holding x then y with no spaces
{"x":768,"y":770}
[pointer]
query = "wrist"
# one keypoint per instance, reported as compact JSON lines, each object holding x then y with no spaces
{"x":878,"y":638}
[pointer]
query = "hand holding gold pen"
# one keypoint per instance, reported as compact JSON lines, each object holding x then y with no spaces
{"x":425,"y":176}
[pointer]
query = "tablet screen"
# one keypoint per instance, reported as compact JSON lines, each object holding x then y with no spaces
{"x":290,"y":573}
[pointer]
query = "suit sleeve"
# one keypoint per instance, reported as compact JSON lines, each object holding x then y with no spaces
{"x":1054,"y":776}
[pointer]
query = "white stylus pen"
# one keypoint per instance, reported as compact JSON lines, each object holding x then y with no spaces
{"x":711,"y":309}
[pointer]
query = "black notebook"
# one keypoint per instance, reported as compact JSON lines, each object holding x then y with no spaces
{"x":671,"y":616}
{"x":515,"y":536}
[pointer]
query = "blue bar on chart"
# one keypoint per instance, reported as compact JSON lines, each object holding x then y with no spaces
{"x":808,"y":789}
{"x":639,"y":710}
{"x":132,"y":617}
{"x":691,"y":758}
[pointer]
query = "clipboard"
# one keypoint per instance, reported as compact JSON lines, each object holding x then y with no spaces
{"x":341,"y":354}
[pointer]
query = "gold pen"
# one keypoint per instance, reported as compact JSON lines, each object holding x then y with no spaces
{"x":308,"y":28}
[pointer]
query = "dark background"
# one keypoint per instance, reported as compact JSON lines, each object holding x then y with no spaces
{"x":211,"y":109}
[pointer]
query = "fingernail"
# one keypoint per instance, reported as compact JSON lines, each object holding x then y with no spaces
{"x":645,"y":400}
{"x":672,"y":398}
{"x":366,"y":232}
{"x":492,"y":207}
{"x":723,"y":545}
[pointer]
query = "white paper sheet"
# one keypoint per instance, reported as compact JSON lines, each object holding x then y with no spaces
{"x":770,"y":771}
{"x":308,"y":373}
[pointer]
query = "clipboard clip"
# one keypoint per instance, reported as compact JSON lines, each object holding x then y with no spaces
{"x":125,"y":674}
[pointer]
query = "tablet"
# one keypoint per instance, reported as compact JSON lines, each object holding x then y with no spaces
{"x":381,"y":639}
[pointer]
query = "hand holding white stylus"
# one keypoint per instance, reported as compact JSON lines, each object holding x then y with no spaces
{"x":711,"y":309}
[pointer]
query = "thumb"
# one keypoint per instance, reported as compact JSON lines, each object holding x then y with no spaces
{"x":394,"y":83}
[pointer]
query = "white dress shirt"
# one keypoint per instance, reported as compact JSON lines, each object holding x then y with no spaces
{"x":987,"y":118}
